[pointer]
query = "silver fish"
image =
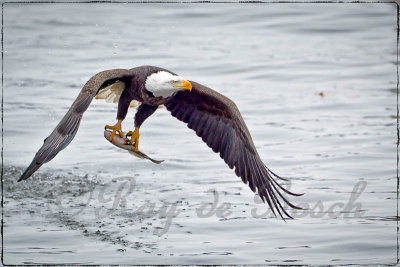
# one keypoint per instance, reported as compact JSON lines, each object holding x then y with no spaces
{"x":123,"y":142}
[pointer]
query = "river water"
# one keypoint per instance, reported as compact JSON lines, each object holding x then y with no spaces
{"x":315,"y":83}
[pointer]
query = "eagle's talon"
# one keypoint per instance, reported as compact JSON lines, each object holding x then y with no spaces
{"x":134,"y":138}
{"x":116,"y":128}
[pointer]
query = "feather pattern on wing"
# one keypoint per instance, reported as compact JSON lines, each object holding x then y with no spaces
{"x":66,"y":130}
{"x":217,"y":121}
{"x":112,"y":93}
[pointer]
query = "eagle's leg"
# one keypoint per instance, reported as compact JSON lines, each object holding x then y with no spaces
{"x":116,"y":128}
{"x":134,"y":138}
{"x":143,"y":112}
{"x":123,"y":105}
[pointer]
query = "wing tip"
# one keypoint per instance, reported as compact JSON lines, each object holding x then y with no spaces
{"x":24,"y":176}
{"x":32,"y":168}
{"x":272,"y":189}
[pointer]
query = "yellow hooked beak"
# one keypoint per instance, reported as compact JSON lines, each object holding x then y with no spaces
{"x":183,"y":84}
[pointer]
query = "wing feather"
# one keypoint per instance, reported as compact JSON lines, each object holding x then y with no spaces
{"x":66,"y":130}
{"x":217,"y":121}
{"x":112,"y":93}
{"x":201,"y":123}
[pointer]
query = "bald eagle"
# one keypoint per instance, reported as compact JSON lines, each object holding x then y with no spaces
{"x":214,"y":118}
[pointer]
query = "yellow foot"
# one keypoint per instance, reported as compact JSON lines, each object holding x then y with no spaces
{"x":116,"y":128}
{"x":134,"y":138}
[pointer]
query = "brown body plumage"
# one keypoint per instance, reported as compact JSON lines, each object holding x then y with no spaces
{"x":214,"y":118}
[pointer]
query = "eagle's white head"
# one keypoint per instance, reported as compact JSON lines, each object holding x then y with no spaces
{"x":165,"y":84}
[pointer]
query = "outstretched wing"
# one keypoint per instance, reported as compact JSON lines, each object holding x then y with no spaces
{"x":65,"y":131}
{"x":217,"y":120}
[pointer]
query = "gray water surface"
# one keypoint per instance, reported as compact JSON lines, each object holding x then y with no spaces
{"x":315,"y":83}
